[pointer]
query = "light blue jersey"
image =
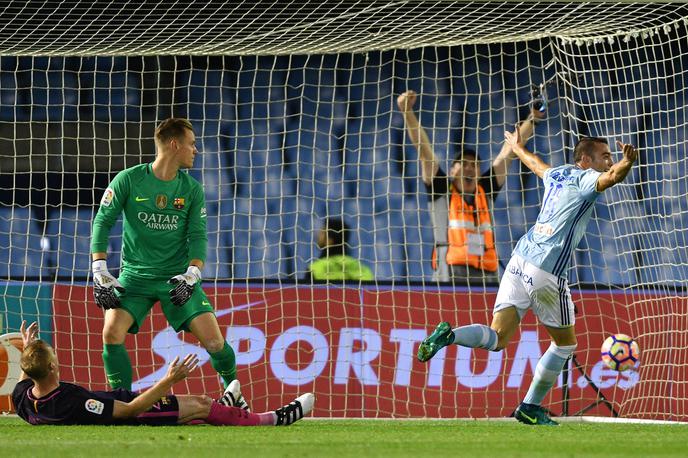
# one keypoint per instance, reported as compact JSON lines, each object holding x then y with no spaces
{"x":570,"y":194}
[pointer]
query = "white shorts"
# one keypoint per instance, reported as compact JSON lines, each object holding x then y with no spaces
{"x":524,"y":286}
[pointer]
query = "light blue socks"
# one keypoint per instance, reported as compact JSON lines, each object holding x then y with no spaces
{"x":476,"y":336}
{"x":547,"y":371}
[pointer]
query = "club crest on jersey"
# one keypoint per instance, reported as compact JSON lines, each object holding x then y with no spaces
{"x":178,"y":203}
{"x":161,"y":201}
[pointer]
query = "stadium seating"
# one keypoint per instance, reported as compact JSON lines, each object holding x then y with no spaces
{"x":21,"y":255}
{"x":219,"y":250}
{"x":54,"y":92}
{"x":71,"y":230}
{"x":287,"y":141}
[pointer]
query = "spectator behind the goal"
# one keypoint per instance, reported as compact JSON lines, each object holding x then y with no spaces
{"x":164,"y":240}
{"x":334,"y":262}
{"x":460,"y":203}
{"x":40,"y":398}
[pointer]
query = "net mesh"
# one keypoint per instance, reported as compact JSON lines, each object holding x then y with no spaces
{"x":297,"y":122}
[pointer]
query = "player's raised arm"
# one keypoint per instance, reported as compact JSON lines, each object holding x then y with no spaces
{"x":176,"y":372}
{"x":618,"y":171}
{"x":500,"y":165}
{"x":534,"y":163}
{"x":428,"y":161}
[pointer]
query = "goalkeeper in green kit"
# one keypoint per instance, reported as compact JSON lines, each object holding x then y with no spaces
{"x":164,"y":248}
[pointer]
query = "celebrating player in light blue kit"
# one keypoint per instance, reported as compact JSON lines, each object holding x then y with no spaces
{"x":536,"y":274}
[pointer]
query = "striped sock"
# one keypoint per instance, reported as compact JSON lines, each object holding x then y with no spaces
{"x":547,"y":371}
{"x":476,"y":336}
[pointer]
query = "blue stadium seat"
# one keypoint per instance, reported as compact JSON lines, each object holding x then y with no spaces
{"x":659,"y":244}
{"x":209,"y":96}
{"x":381,"y":252}
{"x":267,"y":248}
{"x":470,"y":123}
{"x":313,"y":151}
{"x":218,"y":259}
{"x":239,"y":262}
{"x":416,"y":253}
{"x":73,"y":233}
{"x":260,"y":92}
{"x":285,"y":221}
{"x":257,"y":154}
{"x":605,"y":254}
{"x":54,"y":96}
{"x":21,"y":254}
{"x":117,"y":97}
{"x":11,"y":104}
{"x":435,"y":115}
{"x":257,"y":242}
{"x":210,"y":168}
{"x":303,"y":241}
{"x":114,"y":92}
{"x":388,"y":193}
{"x":505,"y":237}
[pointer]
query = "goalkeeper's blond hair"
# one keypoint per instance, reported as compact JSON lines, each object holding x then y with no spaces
{"x":172,"y":128}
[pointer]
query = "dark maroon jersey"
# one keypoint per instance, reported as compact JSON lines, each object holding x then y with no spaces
{"x":70,"y":404}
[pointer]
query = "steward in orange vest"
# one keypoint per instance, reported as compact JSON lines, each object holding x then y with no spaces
{"x":469,"y":232}
{"x":461,"y":221}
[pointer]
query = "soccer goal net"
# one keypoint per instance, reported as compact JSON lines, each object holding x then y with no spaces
{"x":297,"y":123}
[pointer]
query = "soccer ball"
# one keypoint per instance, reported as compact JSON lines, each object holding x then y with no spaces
{"x":620,"y":352}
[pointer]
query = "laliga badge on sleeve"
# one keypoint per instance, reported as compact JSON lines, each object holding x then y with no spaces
{"x":94,"y":406}
{"x":108,"y":195}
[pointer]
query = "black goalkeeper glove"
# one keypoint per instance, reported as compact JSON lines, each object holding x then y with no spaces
{"x":104,"y":286}
{"x":185,"y":284}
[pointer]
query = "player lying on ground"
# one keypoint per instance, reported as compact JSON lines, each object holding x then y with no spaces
{"x":536,"y":276}
{"x":41,"y":398}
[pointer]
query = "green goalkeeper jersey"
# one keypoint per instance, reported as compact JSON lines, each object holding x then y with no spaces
{"x":164,"y":222}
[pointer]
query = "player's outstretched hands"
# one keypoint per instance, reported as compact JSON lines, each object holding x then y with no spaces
{"x":104,"y":286}
{"x":406,"y":100}
{"x":184,"y":285}
{"x":179,"y":370}
{"x":629,"y":151}
{"x":28,"y":334}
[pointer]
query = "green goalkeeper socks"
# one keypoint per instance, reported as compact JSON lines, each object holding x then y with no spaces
{"x":117,"y":366}
{"x":224,"y":363}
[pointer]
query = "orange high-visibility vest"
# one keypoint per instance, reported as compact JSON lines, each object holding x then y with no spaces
{"x":462,"y":222}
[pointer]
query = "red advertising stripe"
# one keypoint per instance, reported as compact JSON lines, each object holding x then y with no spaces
{"x":355,"y":348}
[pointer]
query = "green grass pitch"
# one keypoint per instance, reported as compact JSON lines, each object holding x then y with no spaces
{"x":354,"y":438}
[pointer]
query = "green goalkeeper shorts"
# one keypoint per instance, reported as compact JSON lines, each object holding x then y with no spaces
{"x":140,"y":296}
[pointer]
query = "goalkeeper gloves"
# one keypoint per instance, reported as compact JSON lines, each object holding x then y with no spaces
{"x":185,"y":284}
{"x":104,"y":286}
